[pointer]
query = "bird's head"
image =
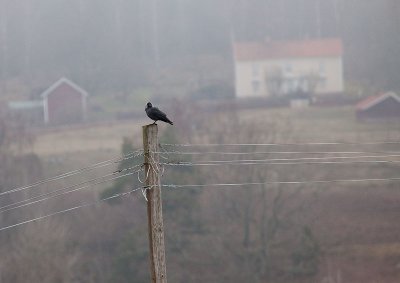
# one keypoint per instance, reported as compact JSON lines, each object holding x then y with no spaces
{"x":148,"y":105}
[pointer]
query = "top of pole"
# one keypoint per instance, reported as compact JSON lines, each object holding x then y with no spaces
{"x":150,"y":137}
{"x":149,"y":126}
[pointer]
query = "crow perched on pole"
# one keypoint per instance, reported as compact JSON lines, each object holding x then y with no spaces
{"x":156,"y":114}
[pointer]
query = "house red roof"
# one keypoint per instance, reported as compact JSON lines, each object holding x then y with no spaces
{"x":248,"y":51}
{"x":375,"y":99}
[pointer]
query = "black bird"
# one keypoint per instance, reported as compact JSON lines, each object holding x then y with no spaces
{"x":156,"y":114}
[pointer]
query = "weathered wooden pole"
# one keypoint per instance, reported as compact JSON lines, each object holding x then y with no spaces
{"x":158,"y":269}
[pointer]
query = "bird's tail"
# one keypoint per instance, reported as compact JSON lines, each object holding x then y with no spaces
{"x":166,"y":120}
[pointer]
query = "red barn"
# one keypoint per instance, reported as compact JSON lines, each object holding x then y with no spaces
{"x":381,"y":106}
{"x":64,"y":103}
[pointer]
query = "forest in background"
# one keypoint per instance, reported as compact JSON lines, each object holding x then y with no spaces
{"x":120,"y":46}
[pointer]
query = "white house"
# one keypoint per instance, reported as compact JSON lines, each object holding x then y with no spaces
{"x":280,"y":67}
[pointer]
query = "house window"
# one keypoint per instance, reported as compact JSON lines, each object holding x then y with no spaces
{"x":255,"y":70}
{"x":256,"y":86}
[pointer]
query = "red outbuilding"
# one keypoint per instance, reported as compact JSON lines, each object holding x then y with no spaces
{"x":382,"y":106}
{"x":64,"y":102}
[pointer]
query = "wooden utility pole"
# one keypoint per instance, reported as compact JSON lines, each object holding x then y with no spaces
{"x":158,"y":268}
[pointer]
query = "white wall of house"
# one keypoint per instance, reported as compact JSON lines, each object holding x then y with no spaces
{"x":251,"y":76}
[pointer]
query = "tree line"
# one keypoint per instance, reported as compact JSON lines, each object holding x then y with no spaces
{"x":121,"y":45}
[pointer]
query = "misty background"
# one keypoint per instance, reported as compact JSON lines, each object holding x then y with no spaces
{"x":178,"y":55}
{"x":122,"y":46}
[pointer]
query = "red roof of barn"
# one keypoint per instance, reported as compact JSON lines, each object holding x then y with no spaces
{"x":61,"y":81}
{"x":247,"y":51}
{"x":375,"y":99}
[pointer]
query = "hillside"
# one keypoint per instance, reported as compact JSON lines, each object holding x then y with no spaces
{"x":345,"y":232}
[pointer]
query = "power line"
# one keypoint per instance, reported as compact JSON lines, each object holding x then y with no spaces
{"x":205,"y":163}
{"x":273,"y":152}
{"x":284,"y":144}
{"x":283,"y":183}
{"x":304,"y":158}
{"x":238,"y":162}
{"x":133,"y":154}
{"x":28,"y":202}
{"x":70,"y":209}
{"x":68,"y":187}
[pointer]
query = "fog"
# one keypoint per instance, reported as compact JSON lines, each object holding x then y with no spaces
{"x":271,"y":103}
{"x":122,"y":45}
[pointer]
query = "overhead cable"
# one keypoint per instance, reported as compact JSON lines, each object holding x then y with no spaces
{"x":74,"y":172}
{"x":283,"y":144}
{"x":70,"y":209}
{"x":51,"y":195}
{"x":281,"y":183}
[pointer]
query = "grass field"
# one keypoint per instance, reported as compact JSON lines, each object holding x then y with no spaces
{"x":308,"y":125}
{"x":327,"y":124}
{"x":75,"y":147}
{"x":103,"y":138}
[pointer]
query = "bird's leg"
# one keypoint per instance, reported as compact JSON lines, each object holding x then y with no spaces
{"x":154,"y":123}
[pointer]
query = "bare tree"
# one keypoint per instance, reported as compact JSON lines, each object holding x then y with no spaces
{"x":254,"y":227}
